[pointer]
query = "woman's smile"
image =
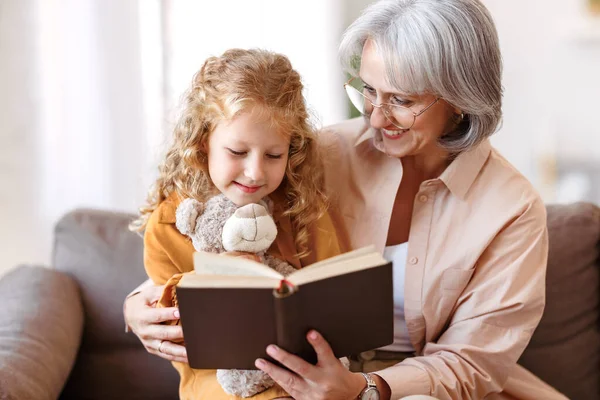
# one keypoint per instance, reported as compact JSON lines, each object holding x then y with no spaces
{"x":393,"y":135}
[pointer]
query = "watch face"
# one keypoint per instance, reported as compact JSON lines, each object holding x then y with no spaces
{"x":370,"y":394}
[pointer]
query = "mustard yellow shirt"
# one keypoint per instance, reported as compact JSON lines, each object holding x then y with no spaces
{"x":167,"y":253}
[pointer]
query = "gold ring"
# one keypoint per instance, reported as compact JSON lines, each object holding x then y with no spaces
{"x":160,"y":346}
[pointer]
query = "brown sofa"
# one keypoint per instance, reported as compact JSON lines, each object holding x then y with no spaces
{"x":62,"y":333}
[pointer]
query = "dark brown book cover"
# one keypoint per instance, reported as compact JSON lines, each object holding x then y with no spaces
{"x":227,"y":328}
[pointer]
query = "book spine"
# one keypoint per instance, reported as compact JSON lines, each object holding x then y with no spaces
{"x":288,"y":319}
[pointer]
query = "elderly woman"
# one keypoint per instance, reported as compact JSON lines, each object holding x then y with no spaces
{"x":418,"y":178}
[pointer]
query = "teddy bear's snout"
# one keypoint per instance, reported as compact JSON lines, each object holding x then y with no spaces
{"x":251,"y":211}
{"x":251,"y":228}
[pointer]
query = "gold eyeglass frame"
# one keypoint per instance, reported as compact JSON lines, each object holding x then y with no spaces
{"x":385,"y":107}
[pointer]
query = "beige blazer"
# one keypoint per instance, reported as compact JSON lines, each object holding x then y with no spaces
{"x":476,"y":266}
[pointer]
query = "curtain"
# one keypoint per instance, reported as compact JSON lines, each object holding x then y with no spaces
{"x":76,"y":128}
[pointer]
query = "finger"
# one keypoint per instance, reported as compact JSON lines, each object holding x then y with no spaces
{"x":168,"y":357}
{"x":173,"y":349}
{"x":173,"y":333}
{"x":251,"y":257}
{"x":293,"y":362}
{"x":325,"y":355}
{"x":290,"y":382}
{"x":167,"y":350}
{"x":158,"y":315}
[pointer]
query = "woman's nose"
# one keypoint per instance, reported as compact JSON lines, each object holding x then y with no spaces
{"x":378,"y":119}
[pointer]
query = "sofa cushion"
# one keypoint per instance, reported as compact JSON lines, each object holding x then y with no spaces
{"x":565,"y":349}
{"x":106,"y":260}
{"x":40,"y":330}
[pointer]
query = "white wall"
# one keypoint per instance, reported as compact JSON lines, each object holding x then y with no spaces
{"x":551,"y":53}
{"x":307,"y":32}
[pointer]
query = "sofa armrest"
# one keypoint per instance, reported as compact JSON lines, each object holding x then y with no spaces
{"x":41,"y":322}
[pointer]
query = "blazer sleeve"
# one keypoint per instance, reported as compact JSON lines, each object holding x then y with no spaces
{"x":166,"y":251}
{"x":493,"y":321}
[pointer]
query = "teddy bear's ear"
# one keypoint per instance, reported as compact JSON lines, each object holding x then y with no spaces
{"x":186,"y":215}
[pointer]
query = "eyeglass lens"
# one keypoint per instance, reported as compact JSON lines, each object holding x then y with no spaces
{"x":400,"y":117}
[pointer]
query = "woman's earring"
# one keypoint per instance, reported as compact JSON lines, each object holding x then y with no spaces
{"x":458,"y":118}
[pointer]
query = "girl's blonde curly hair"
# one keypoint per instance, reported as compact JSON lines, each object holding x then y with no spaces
{"x":223,"y":88}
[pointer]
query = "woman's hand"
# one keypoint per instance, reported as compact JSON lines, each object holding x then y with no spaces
{"x":327,"y":380}
{"x":145,"y":321}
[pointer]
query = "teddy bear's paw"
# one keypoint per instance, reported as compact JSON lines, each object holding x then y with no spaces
{"x":279,"y":265}
{"x":243,"y":383}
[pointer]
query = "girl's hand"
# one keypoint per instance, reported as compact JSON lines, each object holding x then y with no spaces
{"x":243,"y":254}
{"x":327,"y":380}
{"x":145,"y":321}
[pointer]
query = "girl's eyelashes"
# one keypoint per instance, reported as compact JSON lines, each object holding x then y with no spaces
{"x":243,"y":153}
{"x":236,"y":153}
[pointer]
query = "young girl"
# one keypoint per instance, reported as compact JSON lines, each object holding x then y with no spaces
{"x":245,"y":133}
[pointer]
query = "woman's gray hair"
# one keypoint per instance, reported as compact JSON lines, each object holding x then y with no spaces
{"x":448,"y":48}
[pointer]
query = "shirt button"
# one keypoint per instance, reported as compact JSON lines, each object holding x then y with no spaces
{"x":414,"y":260}
{"x":423,"y":198}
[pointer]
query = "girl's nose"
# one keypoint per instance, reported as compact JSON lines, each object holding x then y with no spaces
{"x":255,"y":169}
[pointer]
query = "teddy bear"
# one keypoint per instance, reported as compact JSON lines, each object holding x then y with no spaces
{"x":218,"y":226}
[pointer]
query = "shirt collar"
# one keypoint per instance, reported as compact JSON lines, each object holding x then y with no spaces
{"x":460,"y":174}
{"x":365,"y":133}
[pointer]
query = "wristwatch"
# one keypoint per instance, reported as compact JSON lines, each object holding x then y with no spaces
{"x":370,"y":392}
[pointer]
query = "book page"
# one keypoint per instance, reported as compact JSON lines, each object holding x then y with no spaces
{"x":343,"y":265}
{"x":344,"y":256}
{"x":214,"y":264}
{"x":228,"y":282}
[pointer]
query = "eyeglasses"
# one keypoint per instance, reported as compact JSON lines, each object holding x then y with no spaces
{"x":400,"y":116}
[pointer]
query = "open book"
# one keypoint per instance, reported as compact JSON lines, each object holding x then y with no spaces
{"x":233,"y":308}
